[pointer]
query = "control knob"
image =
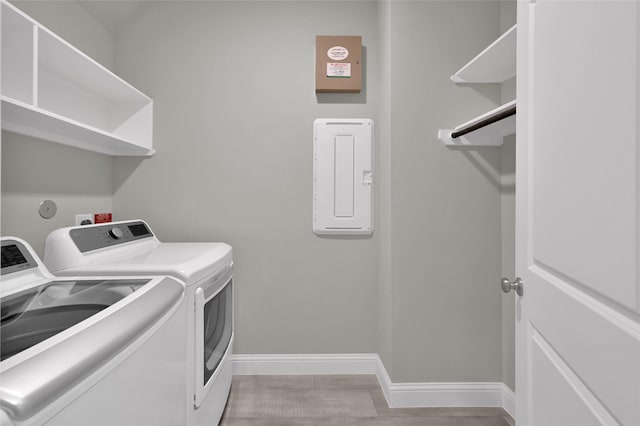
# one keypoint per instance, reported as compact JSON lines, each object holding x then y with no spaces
{"x":116,"y":233}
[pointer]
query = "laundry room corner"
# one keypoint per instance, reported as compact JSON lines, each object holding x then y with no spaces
{"x":334,"y":212}
{"x":234,"y":105}
{"x":34,"y":170}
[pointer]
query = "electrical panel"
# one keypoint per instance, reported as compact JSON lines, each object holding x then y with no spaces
{"x":343,"y":176}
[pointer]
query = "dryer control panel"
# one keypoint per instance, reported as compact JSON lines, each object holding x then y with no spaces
{"x":94,"y":237}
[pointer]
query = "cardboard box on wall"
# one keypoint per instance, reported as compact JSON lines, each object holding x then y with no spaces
{"x":338,"y":64}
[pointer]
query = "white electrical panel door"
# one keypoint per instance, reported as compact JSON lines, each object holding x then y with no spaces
{"x":343,"y":176}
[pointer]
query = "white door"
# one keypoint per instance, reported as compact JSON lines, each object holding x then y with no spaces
{"x":578,"y":213}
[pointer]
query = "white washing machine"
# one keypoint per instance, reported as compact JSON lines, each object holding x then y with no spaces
{"x":205,"y":269}
{"x":88,"y":351}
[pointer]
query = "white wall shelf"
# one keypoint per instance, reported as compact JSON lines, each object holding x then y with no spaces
{"x":489,"y":135}
{"x":53,"y":91}
{"x":495,"y":64}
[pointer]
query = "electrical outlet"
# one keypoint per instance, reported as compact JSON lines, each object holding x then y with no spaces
{"x":84,"y":219}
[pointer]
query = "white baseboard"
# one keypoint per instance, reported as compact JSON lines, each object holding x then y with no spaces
{"x":452,"y":394}
{"x":305,"y":364}
{"x":456,"y":394}
{"x":509,"y":400}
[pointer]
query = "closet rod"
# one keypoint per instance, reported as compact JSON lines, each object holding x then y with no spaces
{"x":483,"y":123}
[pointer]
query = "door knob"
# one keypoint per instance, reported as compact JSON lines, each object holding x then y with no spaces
{"x":517,"y":285}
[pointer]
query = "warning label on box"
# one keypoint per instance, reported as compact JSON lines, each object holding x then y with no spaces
{"x":339,"y":69}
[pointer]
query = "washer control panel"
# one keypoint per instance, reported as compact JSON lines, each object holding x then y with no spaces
{"x":16,"y":257}
{"x":107,"y":235}
{"x":116,"y":233}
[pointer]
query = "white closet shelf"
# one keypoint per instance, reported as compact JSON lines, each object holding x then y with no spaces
{"x":53,"y":91}
{"x":495,"y":64}
{"x":488,"y":135}
{"x":25,"y":119}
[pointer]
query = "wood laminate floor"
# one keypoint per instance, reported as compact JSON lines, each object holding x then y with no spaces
{"x":334,"y":401}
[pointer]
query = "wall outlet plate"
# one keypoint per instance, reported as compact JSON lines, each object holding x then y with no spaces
{"x":84,"y":219}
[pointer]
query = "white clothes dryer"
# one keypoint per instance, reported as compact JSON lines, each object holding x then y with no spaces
{"x":205,"y":269}
{"x":82,"y":351}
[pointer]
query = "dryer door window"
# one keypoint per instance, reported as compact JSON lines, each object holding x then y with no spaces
{"x":213,"y":332}
{"x":218,"y":321}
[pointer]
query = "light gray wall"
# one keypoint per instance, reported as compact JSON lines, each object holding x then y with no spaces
{"x":34,"y":170}
{"x":508,"y":262}
{"x":508,"y":207}
{"x":233,"y":88}
{"x":445,"y":203}
{"x":507,"y":14}
{"x":383,"y":182}
{"x":72,"y":22}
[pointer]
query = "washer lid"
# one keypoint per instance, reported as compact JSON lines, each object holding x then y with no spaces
{"x":35,"y":377}
{"x":189,"y":262}
{"x":38,"y":313}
